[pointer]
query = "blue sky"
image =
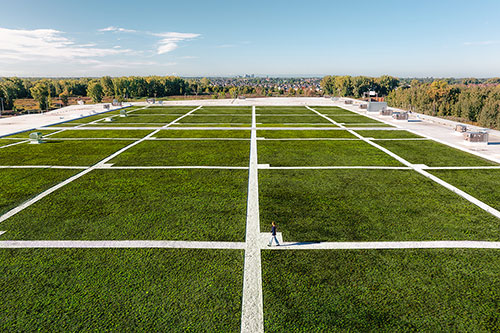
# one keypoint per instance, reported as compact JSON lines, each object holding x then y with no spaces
{"x":437,"y":38}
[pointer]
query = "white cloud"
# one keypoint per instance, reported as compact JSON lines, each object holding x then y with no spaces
{"x":170,"y":40}
{"x":46,"y":44}
{"x":115,"y":29}
{"x":485,"y":42}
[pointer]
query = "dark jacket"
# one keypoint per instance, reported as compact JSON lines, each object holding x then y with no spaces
{"x":273,"y":230}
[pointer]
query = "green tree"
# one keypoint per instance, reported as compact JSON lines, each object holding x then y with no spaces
{"x":387,"y":84}
{"x":41,"y":94}
{"x":95,"y":92}
{"x":107,"y":86}
{"x":64,"y":96}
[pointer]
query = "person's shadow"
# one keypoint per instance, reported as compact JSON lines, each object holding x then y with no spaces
{"x":300,"y":243}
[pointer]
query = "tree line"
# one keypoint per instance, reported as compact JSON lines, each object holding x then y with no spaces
{"x":476,"y":103}
{"x":356,"y":86}
{"x":44,"y":90}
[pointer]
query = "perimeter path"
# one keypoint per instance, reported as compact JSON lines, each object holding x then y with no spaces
{"x":252,"y":313}
{"x":84,"y":172}
{"x":417,"y":168}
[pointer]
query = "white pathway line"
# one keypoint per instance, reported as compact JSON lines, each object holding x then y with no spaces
{"x":463,"y":168}
{"x":43,"y":167}
{"x":308,"y":139}
{"x":421,"y":171}
{"x":90,"y":139}
{"x":11,"y":244}
{"x":252,"y":313}
{"x":160,"y":167}
{"x":103,"y":128}
{"x":336,"y":167}
{"x":386,"y":245}
{"x":400,"y":139}
{"x":2,"y":232}
{"x":78,"y":175}
{"x":199,"y":139}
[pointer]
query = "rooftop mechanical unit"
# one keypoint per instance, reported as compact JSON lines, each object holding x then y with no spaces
{"x":376,"y":106}
{"x":348,"y":101}
{"x":461,"y":128}
{"x":36,"y":138}
{"x":386,"y":112}
{"x":363,"y":106}
{"x":400,"y":115}
{"x":478,"y":137}
{"x":106,"y":106}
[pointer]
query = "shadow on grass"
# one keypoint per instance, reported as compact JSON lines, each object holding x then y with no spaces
{"x":299,"y":244}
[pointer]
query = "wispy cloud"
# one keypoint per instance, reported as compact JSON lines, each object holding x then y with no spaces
{"x":170,"y":40}
{"x":485,"y":42}
{"x":116,"y":29}
{"x":47,"y":44}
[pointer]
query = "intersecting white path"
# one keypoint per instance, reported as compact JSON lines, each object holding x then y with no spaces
{"x":384,"y":245}
{"x":120,"y":244}
{"x":252,"y":313}
{"x":80,"y":174}
{"x":418,"y":169}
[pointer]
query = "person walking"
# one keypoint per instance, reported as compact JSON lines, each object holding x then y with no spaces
{"x":273,"y":235}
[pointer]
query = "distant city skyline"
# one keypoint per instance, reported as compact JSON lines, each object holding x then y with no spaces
{"x":58,"y":38}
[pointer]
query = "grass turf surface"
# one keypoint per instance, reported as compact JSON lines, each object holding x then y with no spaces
{"x":332,"y":110}
{"x":432,"y":153}
{"x":368,"y":205}
{"x":283,"y":110}
{"x":224,"y":110}
{"x":144,"y":119}
{"x":180,"y":125}
{"x":71,"y":153}
{"x":322,"y":153}
{"x":201,"y":205}
{"x":125,"y":125}
{"x":19,"y":185}
{"x":301,"y":125}
{"x":303,"y":134}
{"x":393,"y":134}
{"x":482,"y":184}
{"x":291,"y":119}
{"x":203,"y":134}
{"x":174,"y":290}
{"x":428,"y":290}
{"x":165,"y":110}
{"x":102,"y":134}
{"x":217,"y":119}
{"x":353,"y":119}
{"x":25,"y":134}
{"x":6,"y":142}
{"x":181,"y":153}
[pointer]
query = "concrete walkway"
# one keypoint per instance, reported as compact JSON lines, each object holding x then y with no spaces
{"x":252,"y":313}
{"x":120,"y":244}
